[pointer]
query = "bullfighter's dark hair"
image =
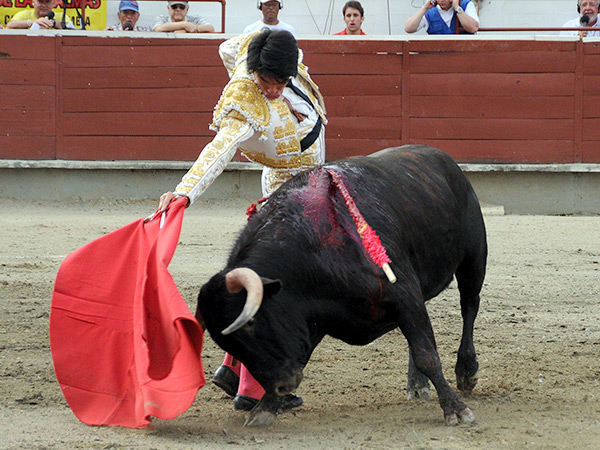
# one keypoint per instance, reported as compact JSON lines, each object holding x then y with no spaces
{"x":273,"y":53}
{"x":355,"y":5}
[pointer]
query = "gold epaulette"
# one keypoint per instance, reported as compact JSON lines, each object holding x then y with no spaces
{"x":243,"y":96}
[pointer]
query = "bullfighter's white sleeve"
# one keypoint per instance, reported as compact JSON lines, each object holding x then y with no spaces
{"x":214,"y":157}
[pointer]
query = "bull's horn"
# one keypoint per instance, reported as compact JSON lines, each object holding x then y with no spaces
{"x":239,"y":278}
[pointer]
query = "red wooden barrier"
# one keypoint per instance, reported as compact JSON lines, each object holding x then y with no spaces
{"x":121,"y":98}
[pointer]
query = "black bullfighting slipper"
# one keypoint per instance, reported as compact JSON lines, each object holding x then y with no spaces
{"x":244,"y":403}
{"x":227,"y":380}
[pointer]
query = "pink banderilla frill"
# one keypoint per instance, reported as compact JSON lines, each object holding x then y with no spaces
{"x":369,"y":237}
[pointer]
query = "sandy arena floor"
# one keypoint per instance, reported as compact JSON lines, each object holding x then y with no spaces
{"x":537,"y":336}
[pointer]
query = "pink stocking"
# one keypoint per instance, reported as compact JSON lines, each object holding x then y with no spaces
{"x":232,"y":363}
{"x":249,"y":386}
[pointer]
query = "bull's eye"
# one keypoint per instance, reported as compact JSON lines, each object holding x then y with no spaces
{"x":249,"y":327}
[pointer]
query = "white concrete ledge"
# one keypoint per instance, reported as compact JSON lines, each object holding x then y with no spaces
{"x":239,"y":165}
{"x":514,"y":188}
{"x":113,"y":165}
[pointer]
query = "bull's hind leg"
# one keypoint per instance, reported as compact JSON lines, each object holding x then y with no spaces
{"x":466,"y":364}
{"x":469,"y":277}
{"x":416,"y":327}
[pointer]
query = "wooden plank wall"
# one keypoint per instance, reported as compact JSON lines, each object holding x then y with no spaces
{"x":28,"y":96}
{"x":494,"y":101}
{"x":138,"y":99}
{"x":362,"y":85}
{"x":121,"y":98}
{"x":590,"y":148}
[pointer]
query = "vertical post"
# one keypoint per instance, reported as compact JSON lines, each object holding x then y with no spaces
{"x":83,"y":3}
{"x":222,"y":16}
{"x":578,"y":113}
{"x":405,"y":93}
{"x":58,"y":97}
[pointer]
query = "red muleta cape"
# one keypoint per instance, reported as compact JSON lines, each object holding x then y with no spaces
{"x":124,"y":342}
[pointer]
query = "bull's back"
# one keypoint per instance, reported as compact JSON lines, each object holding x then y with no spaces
{"x":423,"y":208}
{"x":416,"y":198}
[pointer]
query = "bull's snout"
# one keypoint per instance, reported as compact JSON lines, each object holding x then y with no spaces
{"x":288,"y":386}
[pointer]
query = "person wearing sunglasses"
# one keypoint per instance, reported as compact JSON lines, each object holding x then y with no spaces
{"x":179,"y":21}
{"x":274,"y":113}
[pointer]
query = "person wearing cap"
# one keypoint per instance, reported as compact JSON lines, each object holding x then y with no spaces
{"x":354,"y":16}
{"x":179,"y":21}
{"x":270,"y":11}
{"x":129,"y":14}
{"x":38,"y":17}
{"x":273,"y":112}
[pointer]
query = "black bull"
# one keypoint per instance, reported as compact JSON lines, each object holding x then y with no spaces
{"x":319,"y":280}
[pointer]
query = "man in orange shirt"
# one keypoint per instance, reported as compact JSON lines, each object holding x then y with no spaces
{"x":354,"y":16}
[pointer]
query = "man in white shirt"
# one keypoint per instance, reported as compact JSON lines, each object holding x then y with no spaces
{"x":179,"y":21}
{"x":588,"y":17}
{"x":270,"y":11}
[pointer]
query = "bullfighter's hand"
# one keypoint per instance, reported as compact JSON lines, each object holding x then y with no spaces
{"x":164,"y":201}
{"x":163,"y":204}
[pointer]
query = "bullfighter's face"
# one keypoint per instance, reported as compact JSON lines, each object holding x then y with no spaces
{"x":270,"y":87}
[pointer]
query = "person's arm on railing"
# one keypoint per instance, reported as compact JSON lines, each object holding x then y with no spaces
{"x":187,"y":27}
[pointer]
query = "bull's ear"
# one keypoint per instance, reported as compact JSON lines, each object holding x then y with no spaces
{"x":271,"y":287}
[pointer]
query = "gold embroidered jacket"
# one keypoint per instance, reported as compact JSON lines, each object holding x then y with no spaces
{"x":264,"y":130}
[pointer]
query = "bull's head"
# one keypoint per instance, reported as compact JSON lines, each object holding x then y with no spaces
{"x":255,"y":321}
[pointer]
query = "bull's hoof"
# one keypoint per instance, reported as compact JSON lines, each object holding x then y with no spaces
{"x":465,"y":416}
{"x":421,"y":393}
{"x":244,"y":403}
{"x":465,"y":383}
{"x":260,"y":419}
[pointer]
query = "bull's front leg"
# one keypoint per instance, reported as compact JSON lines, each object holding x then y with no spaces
{"x":265,"y":411}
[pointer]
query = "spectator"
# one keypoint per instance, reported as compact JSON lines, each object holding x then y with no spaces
{"x":270,"y":11}
{"x":588,"y":17}
{"x":37,"y":18}
{"x":354,"y":16}
{"x":179,"y":21}
{"x":129,"y":14}
{"x":444,"y":17}
{"x":273,"y":112}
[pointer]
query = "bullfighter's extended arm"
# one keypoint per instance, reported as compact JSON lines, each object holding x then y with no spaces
{"x":214,"y":157}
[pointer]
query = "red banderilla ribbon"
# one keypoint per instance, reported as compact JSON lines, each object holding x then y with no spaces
{"x":369,"y":237}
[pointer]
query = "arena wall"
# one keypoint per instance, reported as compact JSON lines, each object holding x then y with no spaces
{"x":96,"y":96}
